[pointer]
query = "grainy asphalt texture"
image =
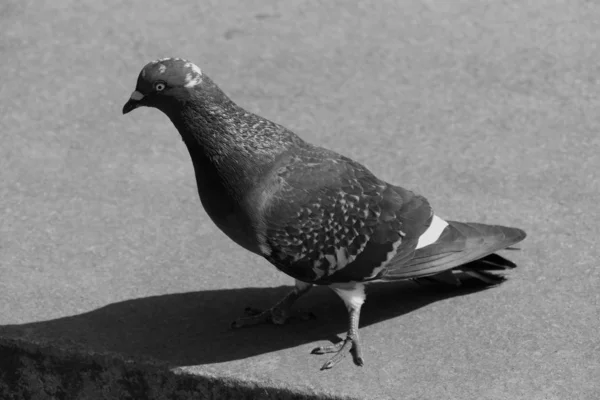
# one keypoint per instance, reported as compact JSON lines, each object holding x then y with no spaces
{"x":490,"y":109}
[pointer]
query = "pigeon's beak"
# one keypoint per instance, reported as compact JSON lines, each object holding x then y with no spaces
{"x":133,"y":102}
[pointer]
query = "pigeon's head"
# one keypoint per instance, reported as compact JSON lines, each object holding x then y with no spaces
{"x":164,"y":82}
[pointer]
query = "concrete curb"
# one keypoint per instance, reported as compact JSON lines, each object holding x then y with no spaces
{"x":30,"y":370}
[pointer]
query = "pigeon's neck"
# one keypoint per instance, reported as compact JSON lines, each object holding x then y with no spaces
{"x":227,"y":143}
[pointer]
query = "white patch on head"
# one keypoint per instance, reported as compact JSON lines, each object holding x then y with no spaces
{"x":192,"y":78}
{"x":432,"y":233}
{"x":191,"y":81}
{"x":144,"y":73}
{"x":162,"y":68}
{"x":353,"y":293}
{"x":194,"y":67}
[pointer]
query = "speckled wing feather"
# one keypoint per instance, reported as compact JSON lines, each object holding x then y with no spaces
{"x":332,"y":220}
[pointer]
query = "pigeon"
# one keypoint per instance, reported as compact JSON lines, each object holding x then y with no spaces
{"x":317,"y":216}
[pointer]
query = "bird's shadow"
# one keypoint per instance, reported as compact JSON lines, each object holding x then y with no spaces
{"x":193,"y":328}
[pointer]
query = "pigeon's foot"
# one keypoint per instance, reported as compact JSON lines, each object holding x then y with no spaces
{"x":253,"y":316}
{"x":353,"y":294}
{"x":275,"y":315}
{"x":279,"y":314}
{"x":340,"y":349}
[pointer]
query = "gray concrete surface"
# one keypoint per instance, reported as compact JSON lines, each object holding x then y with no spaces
{"x":114,"y":283}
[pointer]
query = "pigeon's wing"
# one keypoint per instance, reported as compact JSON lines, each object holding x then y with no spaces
{"x":331,"y":220}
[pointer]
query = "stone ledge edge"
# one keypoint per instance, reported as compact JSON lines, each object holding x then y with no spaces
{"x":31,"y":370}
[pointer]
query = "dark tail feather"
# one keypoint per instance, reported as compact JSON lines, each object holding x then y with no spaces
{"x":486,"y":277}
{"x":492,"y":262}
{"x":461,"y":247}
{"x":482,"y":259}
{"x":446,"y":278}
{"x":478,"y":269}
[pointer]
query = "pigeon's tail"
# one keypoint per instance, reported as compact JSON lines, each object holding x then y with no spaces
{"x":462,"y":248}
{"x":478,"y":269}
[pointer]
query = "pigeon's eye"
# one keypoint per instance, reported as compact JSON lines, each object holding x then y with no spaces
{"x":158,"y":86}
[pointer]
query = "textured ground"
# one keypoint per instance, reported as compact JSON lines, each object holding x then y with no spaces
{"x":490,"y":109}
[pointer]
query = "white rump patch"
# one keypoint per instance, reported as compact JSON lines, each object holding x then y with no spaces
{"x":432,"y":234}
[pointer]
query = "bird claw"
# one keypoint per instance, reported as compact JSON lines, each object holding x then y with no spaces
{"x":328,"y":349}
{"x":341,"y":349}
{"x":305,"y":316}
{"x":253,"y":316}
{"x":275,"y":315}
{"x":251,"y":311}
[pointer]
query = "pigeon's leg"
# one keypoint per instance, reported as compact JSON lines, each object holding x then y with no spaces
{"x":279,"y":313}
{"x":353,"y":294}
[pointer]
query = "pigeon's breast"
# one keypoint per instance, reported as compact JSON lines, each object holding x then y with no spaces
{"x":223,"y":209}
{"x":229,"y":218}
